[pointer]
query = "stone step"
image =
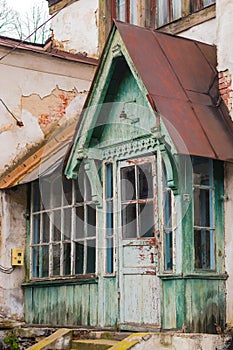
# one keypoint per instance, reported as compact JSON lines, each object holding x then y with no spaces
{"x":93,"y":344}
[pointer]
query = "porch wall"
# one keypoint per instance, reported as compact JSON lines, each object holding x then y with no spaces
{"x":196,"y":305}
{"x":70,"y":303}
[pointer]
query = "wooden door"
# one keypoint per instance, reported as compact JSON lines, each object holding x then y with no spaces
{"x":139,"y":292}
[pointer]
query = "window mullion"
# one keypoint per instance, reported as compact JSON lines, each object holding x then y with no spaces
{"x":51,"y":224}
{"x":72,"y":226}
{"x":85,"y":227}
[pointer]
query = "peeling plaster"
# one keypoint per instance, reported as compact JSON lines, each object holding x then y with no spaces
{"x":19,"y":139}
{"x":49,"y":109}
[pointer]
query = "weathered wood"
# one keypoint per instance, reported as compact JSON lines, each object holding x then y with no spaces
{"x":190,"y":21}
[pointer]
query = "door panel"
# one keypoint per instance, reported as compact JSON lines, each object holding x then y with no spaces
{"x":138,"y":244}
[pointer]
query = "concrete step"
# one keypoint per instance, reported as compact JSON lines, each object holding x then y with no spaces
{"x":93,"y":344}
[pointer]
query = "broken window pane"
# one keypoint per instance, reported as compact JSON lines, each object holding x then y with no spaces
{"x":91,"y":255}
{"x":79,"y":256}
{"x":36,"y":229}
{"x":79,"y":186}
{"x":203,"y":213}
{"x":167,"y":208}
{"x":79,"y":222}
{"x":109,"y":260}
{"x":204,"y":249}
{"x":145,"y":181}
{"x":146,"y":219}
{"x":129,"y":221}
{"x":67,"y":191}
{"x":36,"y":196}
{"x":87,"y":189}
{"x":57,"y":192}
{"x":201,"y":171}
{"x":168,"y":250}
{"x":67,"y":259}
{"x":109,"y":182}
{"x":35,"y":262}
{"x":109,"y":217}
{"x":202,"y":201}
{"x":128,"y":189}
{"x":91,"y":220}
{"x":167,"y":223}
{"x":56,"y":225}
{"x":46,"y":227}
{"x":56,"y":252}
{"x":45,"y":261}
{"x":67,"y":223}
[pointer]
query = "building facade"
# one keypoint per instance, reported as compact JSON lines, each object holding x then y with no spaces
{"x":171,"y":236}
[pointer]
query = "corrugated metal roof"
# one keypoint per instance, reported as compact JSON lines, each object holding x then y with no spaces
{"x":180,"y":75}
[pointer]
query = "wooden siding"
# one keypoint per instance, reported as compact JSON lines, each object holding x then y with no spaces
{"x":59,"y":305}
{"x":193,"y":304}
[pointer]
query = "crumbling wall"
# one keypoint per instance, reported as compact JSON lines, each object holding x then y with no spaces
{"x":79,"y":29}
{"x":41,"y":93}
{"x":12,"y":235}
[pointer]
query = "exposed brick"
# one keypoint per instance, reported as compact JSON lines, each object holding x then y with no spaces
{"x":225,"y":89}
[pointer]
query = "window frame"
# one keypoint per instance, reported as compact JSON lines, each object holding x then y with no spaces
{"x":202,"y":229}
{"x":137,"y":201}
{"x":168,"y":251}
{"x":36,"y":267}
{"x":149,"y":15}
{"x":109,"y":236}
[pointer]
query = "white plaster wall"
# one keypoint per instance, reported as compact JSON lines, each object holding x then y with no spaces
{"x":76,"y":27}
{"x":12,"y":235}
{"x":28,"y":74}
{"x":224,"y":11}
{"x":229,"y":240}
{"x":205,"y":32}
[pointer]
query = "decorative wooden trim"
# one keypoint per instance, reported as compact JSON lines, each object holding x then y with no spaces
{"x":189,"y":21}
{"x":132,"y":147}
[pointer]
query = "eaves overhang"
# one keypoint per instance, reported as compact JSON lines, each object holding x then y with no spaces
{"x":181,"y":76}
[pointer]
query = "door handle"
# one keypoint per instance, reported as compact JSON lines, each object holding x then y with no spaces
{"x":152,"y":260}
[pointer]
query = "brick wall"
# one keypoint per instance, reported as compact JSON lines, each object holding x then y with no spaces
{"x":225,"y":87}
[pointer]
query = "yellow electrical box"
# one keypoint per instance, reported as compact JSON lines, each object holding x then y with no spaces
{"x":17,"y":257}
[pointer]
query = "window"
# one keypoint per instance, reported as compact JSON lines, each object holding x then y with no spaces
{"x":168,"y":11}
{"x":168,"y":234}
{"x":138,"y":199}
{"x":126,"y":10}
{"x":203,"y":194}
{"x":63,"y":227}
{"x":196,"y":5}
{"x":156,"y":13}
{"x":171,"y":10}
{"x":109,"y":219}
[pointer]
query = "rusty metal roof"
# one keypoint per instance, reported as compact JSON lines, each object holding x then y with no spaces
{"x":47,"y":49}
{"x":180,"y":75}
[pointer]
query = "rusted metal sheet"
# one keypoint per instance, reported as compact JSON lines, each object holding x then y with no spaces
{"x":46,"y":49}
{"x":181,"y":76}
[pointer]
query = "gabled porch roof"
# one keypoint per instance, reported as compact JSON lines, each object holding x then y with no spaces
{"x":181,"y":76}
{"x":181,"y":81}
